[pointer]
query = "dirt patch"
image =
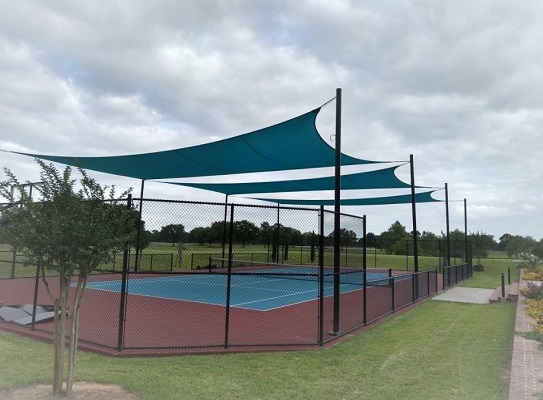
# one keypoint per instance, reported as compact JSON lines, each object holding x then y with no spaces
{"x":80,"y":391}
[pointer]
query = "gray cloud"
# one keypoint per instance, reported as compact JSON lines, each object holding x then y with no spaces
{"x":456,"y":84}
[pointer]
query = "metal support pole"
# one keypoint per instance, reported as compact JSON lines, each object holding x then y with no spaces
{"x":415,"y":232}
{"x":365,"y":275}
{"x":447,"y":224}
{"x":337,"y":216}
{"x":138,"y":235}
{"x":414,"y":214}
{"x":229,"y":279}
{"x":321,"y":277}
{"x":224,"y":231}
{"x":503,"y":285}
{"x":124,"y":285}
{"x":466,"y":253}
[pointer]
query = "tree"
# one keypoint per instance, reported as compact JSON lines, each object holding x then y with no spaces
{"x":72,"y":232}
{"x":538,"y":249}
{"x":519,"y":244}
{"x":245,"y":232}
{"x":457,"y":240}
{"x":393,"y":240}
{"x":428,"y":244}
{"x":504,"y":239}
{"x":172,"y":233}
{"x":199,"y":235}
{"x":481,"y":242}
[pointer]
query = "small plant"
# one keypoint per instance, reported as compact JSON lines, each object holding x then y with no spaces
{"x":478,"y":267}
{"x":532,"y":335}
{"x":528,"y":261}
{"x":533,"y":276}
{"x":533,"y":291}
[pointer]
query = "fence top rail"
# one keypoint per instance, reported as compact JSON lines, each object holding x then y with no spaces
{"x":282,"y":207}
{"x":456,"y":266}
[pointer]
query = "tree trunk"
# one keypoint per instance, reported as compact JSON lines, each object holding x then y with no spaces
{"x":74,"y":335}
{"x":60,"y":332}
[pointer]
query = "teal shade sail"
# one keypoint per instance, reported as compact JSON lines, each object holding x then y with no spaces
{"x":422,"y":197}
{"x":380,"y":179}
{"x":293,"y":144}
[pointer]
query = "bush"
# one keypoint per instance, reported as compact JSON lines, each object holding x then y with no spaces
{"x":533,"y":276}
{"x":528,"y":261}
{"x":478,"y":267}
{"x":533,"y":291}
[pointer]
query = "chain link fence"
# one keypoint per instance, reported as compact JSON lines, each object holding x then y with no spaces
{"x":214,"y":275}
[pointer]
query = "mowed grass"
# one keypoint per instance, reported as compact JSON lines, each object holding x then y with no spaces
{"x":438,"y":350}
{"x":490,"y":278}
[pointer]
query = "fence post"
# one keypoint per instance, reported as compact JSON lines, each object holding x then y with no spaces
{"x":503,"y":286}
{"x":508,"y":275}
{"x":229,"y":278}
{"x":124,"y":283}
{"x":393,"y":284}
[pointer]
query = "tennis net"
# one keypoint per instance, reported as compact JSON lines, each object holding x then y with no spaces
{"x":347,"y":275}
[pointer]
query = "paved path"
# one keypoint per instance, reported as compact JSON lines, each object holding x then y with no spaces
{"x":466,"y":295}
{"x":527,"y":362}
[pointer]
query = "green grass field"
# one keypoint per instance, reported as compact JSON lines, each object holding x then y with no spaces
{"x":438,"y":350}
{"x":164,"y":256}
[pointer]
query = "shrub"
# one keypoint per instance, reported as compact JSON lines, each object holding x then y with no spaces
{"x":533,"y":276}
{"x":533,"y":291}
{"x":478,"y":267}
{"x":528,"y":261}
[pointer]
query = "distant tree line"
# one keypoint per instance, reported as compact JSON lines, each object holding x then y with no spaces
{"x":395,"y":240}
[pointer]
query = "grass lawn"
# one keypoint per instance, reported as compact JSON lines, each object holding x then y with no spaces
{"x":438,"y":350}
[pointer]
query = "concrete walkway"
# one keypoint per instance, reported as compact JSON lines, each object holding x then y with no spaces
{"x":466,"y":295}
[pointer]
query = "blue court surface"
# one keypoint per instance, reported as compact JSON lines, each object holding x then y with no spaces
{"x":254,"y":292}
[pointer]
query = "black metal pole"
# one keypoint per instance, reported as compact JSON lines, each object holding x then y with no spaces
{"x":337,"y":216}
{"x":124,"y":284}
{"x":229,"y":279}
{"x":503,"y":285}
{"x":321,"y":277}
{"x":447,"y":224}
{"x":414,"y":215}
{"x":224,"y":231}
{"x":277,"y":235}
{"x":466,"y":253}
{"x":137,"y":260}
{"x":365,"y":274}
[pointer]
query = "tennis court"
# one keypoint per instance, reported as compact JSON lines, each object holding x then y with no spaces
{"x":268,"y":289}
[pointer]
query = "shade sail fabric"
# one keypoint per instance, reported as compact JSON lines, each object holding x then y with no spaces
{"x":380,"y":179}
{"x":423,"y":197}
{"x":293,"y":144}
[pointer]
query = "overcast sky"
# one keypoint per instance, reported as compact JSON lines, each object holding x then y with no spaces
{"x":458,"y":84}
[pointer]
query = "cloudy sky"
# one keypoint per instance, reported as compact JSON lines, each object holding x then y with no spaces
{"x":458,"y":84}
